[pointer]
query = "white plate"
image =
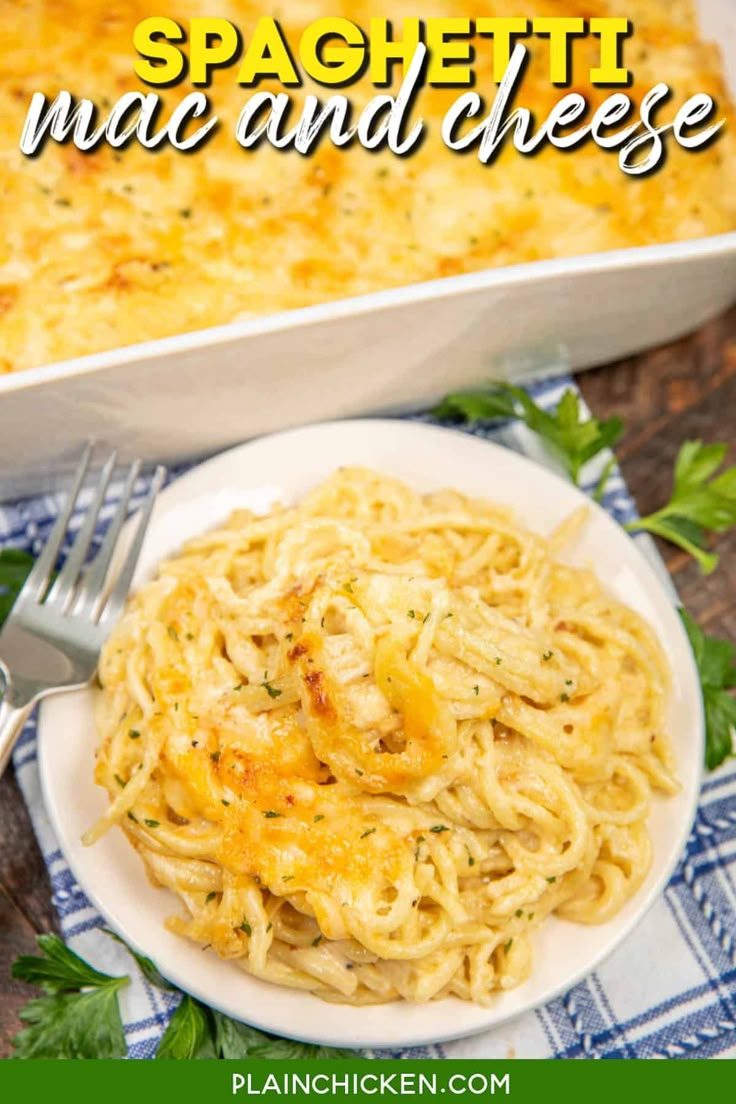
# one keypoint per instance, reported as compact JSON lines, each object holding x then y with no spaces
{"x":284,"y":467}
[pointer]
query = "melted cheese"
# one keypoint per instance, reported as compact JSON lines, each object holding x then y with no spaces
{"x":107,"y":249}
{"x":365,"y":777}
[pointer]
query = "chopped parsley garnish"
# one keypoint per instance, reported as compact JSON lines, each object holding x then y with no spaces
{"x":317,"y":941}
{"x":245,"y":926}
{"x":564,"y":697}
{"x":437,"y":828}
{"x":120,"y":781}
{"x":210,"y":897}
{"x":151,"y":823}
{"x":134,"y":734}
{"x":172,"y":632}
{"x":476,"y":690}
{"x":319,"y":816}
{"x":507,"y":946}
{"x":547,"y":655}
{"x":270,"y":690}
{"x":368,"y":832}
{"x":552,"y":879}
{"x":270,"y":814}
{"x":214,"y":756}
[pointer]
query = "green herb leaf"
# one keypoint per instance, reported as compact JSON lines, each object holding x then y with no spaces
{"x":15,"y":566}
{"x":699,"y":504}
{"x":600,"y":487}
{"x":61,"y":970}
{"x":72,"y":1025}
{"x":477,"y":406}
{"x":79,"y":1017}
{"x":238,"y":1040}
{"x":573,"y":440}
{"x":147,"y":967}
{"x":196,"y":1031}
{"x":190,"y":1032}
{"x":717,"y":670}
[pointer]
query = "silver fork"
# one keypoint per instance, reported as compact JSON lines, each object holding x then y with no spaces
{"x":52,"y":638}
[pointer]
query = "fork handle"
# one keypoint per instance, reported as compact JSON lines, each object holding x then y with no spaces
{"x":12,"y":719}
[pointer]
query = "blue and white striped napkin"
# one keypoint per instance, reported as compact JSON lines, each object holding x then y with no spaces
{"x":682,"y":955}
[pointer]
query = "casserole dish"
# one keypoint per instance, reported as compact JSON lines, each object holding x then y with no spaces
{"x":188,"y":395}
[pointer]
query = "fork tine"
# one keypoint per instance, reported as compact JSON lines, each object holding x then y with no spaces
{"x":119,"y":592}
{"x":39,"y":576}
{"x":62,"y":591}
{"x":91,"y":591}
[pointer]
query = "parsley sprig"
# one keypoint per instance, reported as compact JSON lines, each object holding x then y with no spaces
{"x":196,"y":1031}
{"x":701,"y":502}
{"x":15,"y":564}
{"x":572,"y":439}
{"x":716,"y":664}
{"x":79,"y":1016}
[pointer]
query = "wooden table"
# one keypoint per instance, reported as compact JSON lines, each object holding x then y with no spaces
{"x":687,"y":389}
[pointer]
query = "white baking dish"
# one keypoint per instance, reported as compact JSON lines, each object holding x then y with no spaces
{"x":191,"y":394}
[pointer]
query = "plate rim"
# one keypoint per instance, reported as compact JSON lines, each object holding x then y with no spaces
{"x":645,"y":897}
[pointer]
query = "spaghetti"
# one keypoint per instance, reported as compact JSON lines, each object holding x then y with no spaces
{"x":374,"y":739}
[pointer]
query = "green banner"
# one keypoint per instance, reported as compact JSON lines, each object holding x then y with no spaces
{"x":625,"y":1082}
